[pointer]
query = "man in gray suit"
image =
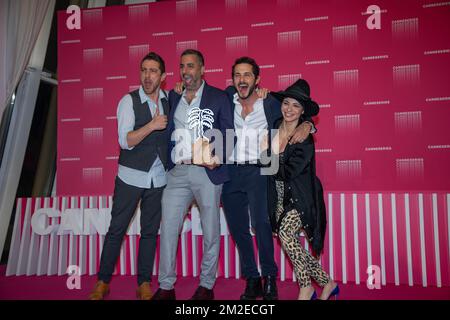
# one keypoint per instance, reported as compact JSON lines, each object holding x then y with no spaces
{"x":187,"y":181}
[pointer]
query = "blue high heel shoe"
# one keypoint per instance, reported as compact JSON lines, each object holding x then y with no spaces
{"x":334,"y":293}
{"x":314,"y":296}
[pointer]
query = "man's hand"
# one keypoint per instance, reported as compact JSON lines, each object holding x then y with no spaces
{"x":211,"y":166}
{"x":159,"y":122}
{"x":178,"y":87}
{"x":301,"y":133}
{"x":215,"y":162}
{"x":262,"y":92}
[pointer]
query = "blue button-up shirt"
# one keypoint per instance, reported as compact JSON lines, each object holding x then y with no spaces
{"x":126,"y":122}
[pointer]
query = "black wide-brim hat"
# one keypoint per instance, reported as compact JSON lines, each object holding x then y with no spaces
{"x":299,"y":91}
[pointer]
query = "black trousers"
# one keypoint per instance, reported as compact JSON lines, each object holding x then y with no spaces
{"x":247,"y":191}
{"x":125,"y":201}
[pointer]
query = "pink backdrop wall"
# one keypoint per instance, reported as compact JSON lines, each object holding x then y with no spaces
{"x":384,"y":94}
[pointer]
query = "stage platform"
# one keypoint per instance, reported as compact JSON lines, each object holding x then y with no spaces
{"x":123,"y":288}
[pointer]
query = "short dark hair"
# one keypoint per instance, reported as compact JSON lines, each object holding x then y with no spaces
{"x":249,"y":61}
{"x":195,"y":53}
{"x":155,"y":57}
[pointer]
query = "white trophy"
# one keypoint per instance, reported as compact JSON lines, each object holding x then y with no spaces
{"x":201,"y":151}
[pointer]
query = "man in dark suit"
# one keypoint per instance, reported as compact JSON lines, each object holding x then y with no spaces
{"x":247,"y":189}
{"x":198,"y":108}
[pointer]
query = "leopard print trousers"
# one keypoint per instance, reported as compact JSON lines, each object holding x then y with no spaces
{"x":306,"y":267}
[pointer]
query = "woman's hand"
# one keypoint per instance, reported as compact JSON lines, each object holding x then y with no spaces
{"x":301,"y":133}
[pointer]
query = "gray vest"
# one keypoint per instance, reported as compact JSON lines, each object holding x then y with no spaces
{"x":142,"y":156}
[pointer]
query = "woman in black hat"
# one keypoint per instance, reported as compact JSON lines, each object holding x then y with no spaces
{"x":295,"y":193}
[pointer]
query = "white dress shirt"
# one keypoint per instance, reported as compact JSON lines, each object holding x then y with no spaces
{"x":250,"y":132}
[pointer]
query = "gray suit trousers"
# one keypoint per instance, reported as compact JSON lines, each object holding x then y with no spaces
{"x":184,"y":184}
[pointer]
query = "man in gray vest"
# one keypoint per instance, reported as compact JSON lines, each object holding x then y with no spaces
{"x":142,"y":121}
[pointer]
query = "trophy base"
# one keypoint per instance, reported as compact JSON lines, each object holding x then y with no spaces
{"x":201,"y":153}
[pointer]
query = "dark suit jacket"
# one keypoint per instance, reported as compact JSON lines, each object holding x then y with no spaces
{"x":272,"y":110}
{"x":216,"y":100}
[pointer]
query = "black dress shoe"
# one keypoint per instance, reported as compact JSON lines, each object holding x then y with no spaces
{"x":253,"y":289}
{"x":203,"y":293}
{"x":162,"y":294}
{"x":270,"y":288}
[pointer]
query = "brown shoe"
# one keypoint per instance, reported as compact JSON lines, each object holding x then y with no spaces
{"x":162,"y":294}
{"x":101,"y":290}
{"x":203,"y":293}
{"x":144,"y":292}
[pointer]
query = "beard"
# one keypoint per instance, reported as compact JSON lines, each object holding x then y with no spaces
{"x":190,"y":82}
{"x":149,"y":87}
{"x":245,"y":91}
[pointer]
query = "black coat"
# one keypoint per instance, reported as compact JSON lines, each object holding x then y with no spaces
{"x":303,"y":191}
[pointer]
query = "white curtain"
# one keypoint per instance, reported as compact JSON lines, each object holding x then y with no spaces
{"x":20,"y":23}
